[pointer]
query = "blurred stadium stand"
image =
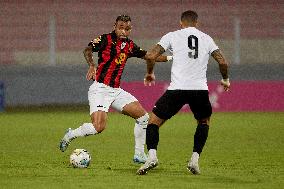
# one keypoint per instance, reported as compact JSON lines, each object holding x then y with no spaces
{"x":25,"y":25}
{"x":25,"y":31}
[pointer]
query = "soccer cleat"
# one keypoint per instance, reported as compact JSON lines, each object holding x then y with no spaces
{"x":193,"y":164}
{"x":193,"y":168}
{"x":140,"y":158}
{"x":65,"y":141}
{"x":149,"y":164}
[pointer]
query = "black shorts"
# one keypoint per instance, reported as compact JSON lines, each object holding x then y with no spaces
{"x":173,"y":100}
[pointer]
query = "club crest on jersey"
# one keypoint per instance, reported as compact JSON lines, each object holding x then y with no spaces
{"x":122,"y":45}
{"x":122,"y":58}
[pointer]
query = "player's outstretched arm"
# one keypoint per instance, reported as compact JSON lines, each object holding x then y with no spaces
{"x":88,"y":54}
{"x":163,"y":58}
{"x":150,"y":58}
{"x":223,"y":67}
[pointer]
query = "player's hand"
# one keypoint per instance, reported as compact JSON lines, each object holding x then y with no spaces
{"x":226,"y":84}
{"x":149,"y":79}
{"x":91,"y":74}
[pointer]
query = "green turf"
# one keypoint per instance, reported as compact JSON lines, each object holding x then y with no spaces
{"x":244,"y":150}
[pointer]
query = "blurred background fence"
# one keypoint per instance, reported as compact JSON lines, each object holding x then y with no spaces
{"x":41,"y":59}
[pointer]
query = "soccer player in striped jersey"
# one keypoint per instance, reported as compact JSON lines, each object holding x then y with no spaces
{"x":191,"y":49}
{"x":113,"y":51}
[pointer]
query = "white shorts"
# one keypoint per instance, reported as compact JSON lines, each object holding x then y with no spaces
{"x":101,"y":97}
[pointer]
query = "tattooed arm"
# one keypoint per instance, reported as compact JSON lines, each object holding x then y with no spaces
{"x":88,"y":54}
{"x":151,"y":57}
{"x":223,"y":67}
{"x":223,"y":64}
{"x":163,"y":58}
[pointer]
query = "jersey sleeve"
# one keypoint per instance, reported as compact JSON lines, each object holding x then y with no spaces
{"x":98,"y":43}
{"x":211,"y":45}
{"x":137,"y":52}
{"x":165,"y":41}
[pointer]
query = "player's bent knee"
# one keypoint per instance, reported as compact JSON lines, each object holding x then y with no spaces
{"x":204,"y":121}
{"x":99,"y":119}
{"x":156,"y":120}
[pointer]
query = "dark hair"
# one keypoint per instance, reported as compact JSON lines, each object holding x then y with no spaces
{"x":189,"y":16}
{"x":123,"y":17}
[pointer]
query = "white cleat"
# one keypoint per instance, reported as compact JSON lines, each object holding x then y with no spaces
{"x":139,"y":158}
{"x":193,"y":168}
{"x":193,"y":164}
{"x":149,"y":164}
{"x":65,"y":141}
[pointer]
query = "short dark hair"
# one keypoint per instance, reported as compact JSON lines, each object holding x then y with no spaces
{"x":189,"y":16}
{"x":123,"y":18}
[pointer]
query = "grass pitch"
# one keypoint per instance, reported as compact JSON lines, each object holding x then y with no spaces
{"x":244,"y":150}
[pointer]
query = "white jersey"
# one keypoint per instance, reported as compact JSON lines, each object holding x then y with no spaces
{"x":191,"y":49}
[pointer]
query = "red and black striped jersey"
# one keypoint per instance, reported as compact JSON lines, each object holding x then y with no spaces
{"x":112,"y":56}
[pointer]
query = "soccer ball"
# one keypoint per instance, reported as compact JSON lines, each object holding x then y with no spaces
{"x":80,"y":158}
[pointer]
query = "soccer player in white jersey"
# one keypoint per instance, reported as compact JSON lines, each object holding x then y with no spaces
{"x":191,"y":49}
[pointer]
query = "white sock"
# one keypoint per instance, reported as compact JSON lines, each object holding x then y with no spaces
{"x":152,"y":154}
{"x":140,"y":133}
{"x":194,"y":158}
{"x":84,"y":130}
{"x":140,"y":136}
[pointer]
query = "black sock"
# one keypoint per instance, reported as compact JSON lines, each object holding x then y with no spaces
{"x":152,"y":136}
{"x":200,"y":137}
